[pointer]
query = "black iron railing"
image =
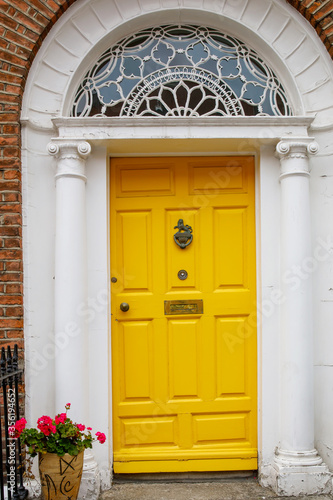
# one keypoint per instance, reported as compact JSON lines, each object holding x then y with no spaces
{"x":11,"y":468}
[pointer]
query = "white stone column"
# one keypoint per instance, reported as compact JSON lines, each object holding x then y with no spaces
{"x":298,"y":467}
{"x":70,"y":293}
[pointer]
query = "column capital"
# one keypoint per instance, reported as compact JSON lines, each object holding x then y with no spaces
{"x":64,"y":148}
{"x":296,"y":147}
{"x":71,"y":155}
{"x":294,"y":153}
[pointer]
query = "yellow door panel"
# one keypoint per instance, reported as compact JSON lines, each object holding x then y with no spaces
{"x":136,"y":346}
{"x":184,"y":378}
{"x":148,"y":179}
{"x":136,"y":266}
{"x":183,"y":336}
{"x":219,"y":428}
{"x":230,"y":226}
{"x":212,"y":177}
{"x":231,"y":357}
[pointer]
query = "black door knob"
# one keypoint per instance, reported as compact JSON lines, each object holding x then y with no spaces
{"x":124,"y":306}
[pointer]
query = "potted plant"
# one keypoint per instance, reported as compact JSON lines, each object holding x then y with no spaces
{"x":59,"y":444}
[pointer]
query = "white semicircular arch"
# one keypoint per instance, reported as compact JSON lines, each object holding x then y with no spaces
{"x":276,"y":31}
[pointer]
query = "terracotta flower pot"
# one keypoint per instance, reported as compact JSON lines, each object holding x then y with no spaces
{"x":60,"y":476}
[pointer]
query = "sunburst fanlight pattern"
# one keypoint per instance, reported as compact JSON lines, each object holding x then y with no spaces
{"x":180,"y":71}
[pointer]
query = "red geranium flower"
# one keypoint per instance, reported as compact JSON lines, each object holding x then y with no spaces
{"x":46,"y":426}
{"x":101,"y":437}
{"x":61,"y":418}
{"x":59,"y":435}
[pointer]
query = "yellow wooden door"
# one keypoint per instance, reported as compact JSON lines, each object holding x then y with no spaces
{"x":184,"y":381}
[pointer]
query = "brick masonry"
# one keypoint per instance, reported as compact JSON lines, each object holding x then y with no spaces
{"x":23,"y":27}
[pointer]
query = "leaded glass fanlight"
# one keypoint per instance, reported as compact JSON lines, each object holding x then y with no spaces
{"x":180,"y":71}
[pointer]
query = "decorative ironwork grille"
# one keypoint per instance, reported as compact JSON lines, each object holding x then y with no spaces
{"x":180,"y":71}
{"x":11,"y":462}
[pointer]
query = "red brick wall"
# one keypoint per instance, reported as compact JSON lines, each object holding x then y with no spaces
{"x":23,"y":26}
{"x":320,"y":14}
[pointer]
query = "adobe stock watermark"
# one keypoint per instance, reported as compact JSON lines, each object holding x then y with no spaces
{"x":11,"y":442}
{"x":292,"y":277}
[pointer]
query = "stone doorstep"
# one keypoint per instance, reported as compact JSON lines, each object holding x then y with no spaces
{"x":191,"y":487}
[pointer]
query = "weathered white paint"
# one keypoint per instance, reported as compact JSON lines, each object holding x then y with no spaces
{"x":281,"y":36}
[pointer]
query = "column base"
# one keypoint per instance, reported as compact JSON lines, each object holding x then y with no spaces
{"x":297,"y":458}
{"x":294,"y":480}
{"x":90,"y":483}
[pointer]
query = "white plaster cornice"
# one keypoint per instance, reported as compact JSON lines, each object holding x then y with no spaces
{"x":265,"y":129}
{"x":101,"y":128}
{"x":174,"y":121}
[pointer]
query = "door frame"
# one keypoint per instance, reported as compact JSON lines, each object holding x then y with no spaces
{"x":46,"y":97}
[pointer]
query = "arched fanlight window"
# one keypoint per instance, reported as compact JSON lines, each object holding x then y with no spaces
{"x":180,"y":71}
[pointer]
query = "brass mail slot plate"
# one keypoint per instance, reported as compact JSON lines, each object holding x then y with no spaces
{"x":183,"y":306}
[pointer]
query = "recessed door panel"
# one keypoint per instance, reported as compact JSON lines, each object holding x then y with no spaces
{"x":231,"y":355}
{"x":147,"y":180}
{"x":136,"y":341}
{"x":212,"y":176}
{"x":230,"y":239}
{"x":144,"y":432}
{"x":135,"y":230}
{"x":184,"y":350}
{"x":219,"y":428}
{"x":184,"y":370}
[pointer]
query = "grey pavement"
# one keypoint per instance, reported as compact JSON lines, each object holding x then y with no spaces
{"x":244,"y":488}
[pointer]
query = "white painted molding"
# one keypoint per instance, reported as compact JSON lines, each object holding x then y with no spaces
{"x":264,"y":129}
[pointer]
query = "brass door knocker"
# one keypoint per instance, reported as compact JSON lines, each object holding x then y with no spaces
{"x":183,"y":237}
